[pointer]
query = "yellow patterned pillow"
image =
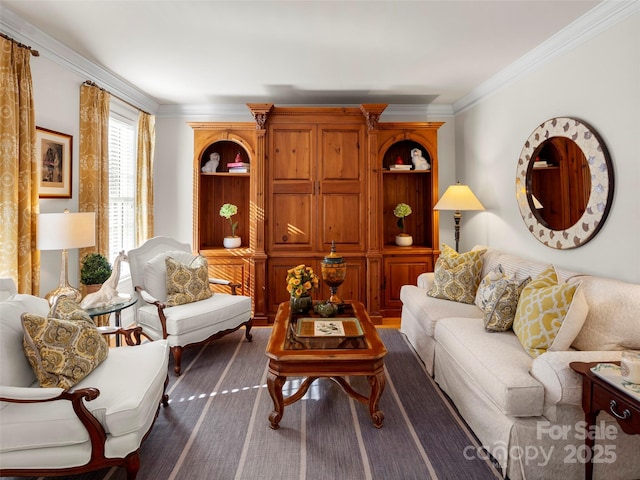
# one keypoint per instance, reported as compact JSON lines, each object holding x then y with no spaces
{"x":68,"y":309}
{"x":187,"y":283}
{"x":549,"y":314}
{"x":62,"y":352}
{"x":457,"y":276}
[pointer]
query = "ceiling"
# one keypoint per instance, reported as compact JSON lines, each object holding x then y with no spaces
{"x":185,"y":52}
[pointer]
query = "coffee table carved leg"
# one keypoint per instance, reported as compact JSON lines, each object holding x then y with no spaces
{"x":274,"y":384}
{"x":377,"y":382}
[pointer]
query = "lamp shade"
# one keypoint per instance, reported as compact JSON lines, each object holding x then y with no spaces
{"x":458,"y":197}
{"x":61,"y":231}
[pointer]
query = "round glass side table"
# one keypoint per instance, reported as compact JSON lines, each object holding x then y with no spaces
{"x":115,"y":308}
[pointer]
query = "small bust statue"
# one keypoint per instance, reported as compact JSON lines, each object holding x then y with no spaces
{"x":212,"y":164}
{"x":419,"y":162}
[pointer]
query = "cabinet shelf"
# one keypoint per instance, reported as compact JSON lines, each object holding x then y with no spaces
{"x":406,"y":172}
{"x":224,"y":174}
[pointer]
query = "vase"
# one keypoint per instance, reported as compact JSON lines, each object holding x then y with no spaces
{"x":334,"y":270}
{"x":232,"y":242}
{"x":404,"y":240}
{"x":301,"y":305}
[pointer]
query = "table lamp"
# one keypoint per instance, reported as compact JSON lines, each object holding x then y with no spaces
{"x":458,"y":198}
{"x":62,"y":231}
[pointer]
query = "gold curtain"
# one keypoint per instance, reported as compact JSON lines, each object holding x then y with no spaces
{"x":144,"y":178}
{"x":19,"y":205}
{"x":94,"y":162}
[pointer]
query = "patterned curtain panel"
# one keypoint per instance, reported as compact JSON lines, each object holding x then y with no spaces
{"x":144,"y":181}
{"x":94,"y":162}
{"x":19,"y":205}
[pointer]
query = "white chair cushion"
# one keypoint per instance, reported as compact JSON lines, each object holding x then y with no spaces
{"x":15,"y":369}
{"x":155,"y":272}
{"x":125,"y":403}
{"x":199,"y":315}
{"x":496,"y":361}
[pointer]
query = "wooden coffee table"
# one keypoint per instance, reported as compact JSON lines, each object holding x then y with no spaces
{"x":332,"y":357}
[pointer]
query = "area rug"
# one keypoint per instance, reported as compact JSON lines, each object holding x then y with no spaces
{"x":216,"y":425}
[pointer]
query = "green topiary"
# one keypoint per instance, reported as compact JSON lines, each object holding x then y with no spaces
{"x":95,"y":269}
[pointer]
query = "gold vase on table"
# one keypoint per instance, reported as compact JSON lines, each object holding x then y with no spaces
{"x":334,"y":270}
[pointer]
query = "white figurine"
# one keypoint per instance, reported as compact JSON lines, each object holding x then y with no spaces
{"x":419,"y":162}
{"x":212,"y":164}
{"x":108,"y":293}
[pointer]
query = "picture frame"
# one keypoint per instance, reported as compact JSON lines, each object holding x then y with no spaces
{"x":53,"y":154}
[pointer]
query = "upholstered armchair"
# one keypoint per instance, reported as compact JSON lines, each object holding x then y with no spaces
{"x":176,"y":302}
{"x":48,"y":428}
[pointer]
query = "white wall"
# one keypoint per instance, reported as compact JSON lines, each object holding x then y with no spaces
{"x":56,"y":92}
{"x":599,"y":83}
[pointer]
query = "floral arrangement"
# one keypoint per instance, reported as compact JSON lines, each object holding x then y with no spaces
{"x":301,"y":280}
{"x":227,"y":211}
{"x":401,"y":211}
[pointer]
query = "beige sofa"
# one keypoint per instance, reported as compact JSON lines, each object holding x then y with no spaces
{"x":99,"y":422}
{"x":527,"y":412}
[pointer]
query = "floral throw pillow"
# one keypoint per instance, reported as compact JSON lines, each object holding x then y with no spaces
{"x":187,"y":283}
{"x":62,"y":351}
{"x":457,"y":276}
{"x":500,"y":310}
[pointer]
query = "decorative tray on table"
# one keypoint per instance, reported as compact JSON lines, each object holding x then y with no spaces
{"x":611,"y":373}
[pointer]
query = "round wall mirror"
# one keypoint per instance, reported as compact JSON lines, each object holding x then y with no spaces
{"x":564,"y":183}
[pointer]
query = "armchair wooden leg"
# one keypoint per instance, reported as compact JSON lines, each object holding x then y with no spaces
{"x":177,"y":357}
{"x":248,"y":335}
{"x":132,"y":465}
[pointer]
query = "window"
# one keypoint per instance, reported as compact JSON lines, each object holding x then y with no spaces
{"x":122,"y":178}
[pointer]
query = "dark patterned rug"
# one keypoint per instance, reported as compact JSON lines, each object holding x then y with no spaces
{"x":216,"y":425}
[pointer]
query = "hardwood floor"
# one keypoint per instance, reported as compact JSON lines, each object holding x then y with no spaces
{"x":390,"y":322}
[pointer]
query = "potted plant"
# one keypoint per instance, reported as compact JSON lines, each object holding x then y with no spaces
{"x":94,"y":271}
{"x":228,"y":210}
{"x":401,"y":211}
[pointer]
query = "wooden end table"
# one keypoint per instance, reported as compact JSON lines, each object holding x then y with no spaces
{"x":598,"y":394}
{"x":319,"y":357}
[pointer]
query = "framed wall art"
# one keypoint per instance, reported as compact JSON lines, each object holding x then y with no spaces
{"x":53,"y":152}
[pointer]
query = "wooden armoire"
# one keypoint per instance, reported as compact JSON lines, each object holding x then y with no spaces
{"x":317,"y":175}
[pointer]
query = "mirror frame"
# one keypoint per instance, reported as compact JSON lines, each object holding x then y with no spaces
{"x":602,"y":184}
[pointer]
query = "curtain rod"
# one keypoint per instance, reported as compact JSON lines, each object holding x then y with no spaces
{"x":34,"y":52}
{"x":94,"y":84}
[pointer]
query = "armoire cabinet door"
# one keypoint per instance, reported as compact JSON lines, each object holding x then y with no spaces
{"x":292,"y":205}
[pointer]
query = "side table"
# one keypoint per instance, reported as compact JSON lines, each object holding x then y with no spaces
{"x":598,"y":394}
{"x":115,"y":308}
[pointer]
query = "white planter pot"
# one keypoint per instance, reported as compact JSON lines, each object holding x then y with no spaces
{"x":232,"y":242}
{"x":404,"y":240}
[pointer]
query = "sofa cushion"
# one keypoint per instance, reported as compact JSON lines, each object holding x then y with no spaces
{"x":15,"y":370}
{"x":487,"y":285}
{"x":500,"y":310}
{"x":457,"y":276}
{"x":612,"y":322}
{"x":187,"y":283}
{"x":428,"y":310}
{"x":62,"y":352}
{"x":495,"y":361}
{"x":547,"y":317}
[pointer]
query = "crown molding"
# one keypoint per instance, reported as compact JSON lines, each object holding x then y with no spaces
{"x":600,"y":18}
{"x":240,"y":112}
{"x":50,"y":48}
